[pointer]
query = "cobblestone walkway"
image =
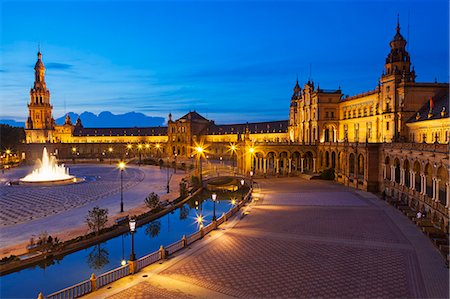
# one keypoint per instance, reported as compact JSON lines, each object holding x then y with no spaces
{"x":340,"y":246}
{"x":145,"y":290}
{"x":24,"y":203}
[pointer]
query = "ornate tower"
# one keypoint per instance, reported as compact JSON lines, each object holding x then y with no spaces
{"x":40,"y":123}
{"x":397,"y":73}
{"x":293,"y":113}
{"x":398,"y":64}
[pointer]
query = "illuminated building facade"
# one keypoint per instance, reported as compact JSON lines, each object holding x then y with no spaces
{"x":393,"y":138}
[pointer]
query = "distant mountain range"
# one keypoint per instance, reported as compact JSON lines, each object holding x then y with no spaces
{"x":104,"y":120}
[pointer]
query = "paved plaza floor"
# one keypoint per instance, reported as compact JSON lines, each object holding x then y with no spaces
{"x":301,"y":239}
{"x":26,"y":211}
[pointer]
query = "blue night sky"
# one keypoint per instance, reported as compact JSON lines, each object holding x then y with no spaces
{"x":231,"y":61}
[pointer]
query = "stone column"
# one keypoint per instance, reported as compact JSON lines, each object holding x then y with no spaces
{"x":301,"y":165}
{"x":384,"y":171}
{"x":412,"y":180}
{"x":392,"y":173}
{"x":436,"y":189}
{"x":277,"y":164}
{"x":447,"y":201}
{"x":422,"y":183}
{"x":433,"y":189}
{"x":290,"y":166}
{"x":402,"y":177}
{"x":265,"y":165}
{"x":314,"y":165}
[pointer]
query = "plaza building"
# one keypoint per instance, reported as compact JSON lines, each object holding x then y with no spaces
{"x":394,"y":138}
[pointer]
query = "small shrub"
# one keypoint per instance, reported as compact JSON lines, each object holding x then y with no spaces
{"x":152,"y":201}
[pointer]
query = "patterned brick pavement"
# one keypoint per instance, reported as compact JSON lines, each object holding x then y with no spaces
{"x":24,"y":203}
{"x":145,"y":290}
{"x":247,"y":267}
{"x":345,"y":247}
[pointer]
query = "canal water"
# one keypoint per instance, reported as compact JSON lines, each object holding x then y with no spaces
{"x":78,"y":266}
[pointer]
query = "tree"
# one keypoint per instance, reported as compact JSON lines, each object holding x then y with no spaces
{"x":184,"y":212}
{"x":98,"y":257}
{"x":153,"y":228}
{"x":183,"y":188}
{"x":97,"y":219}
{"x":152,"y":201}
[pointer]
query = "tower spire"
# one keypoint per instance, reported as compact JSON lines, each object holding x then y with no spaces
{"x":398,"y":23}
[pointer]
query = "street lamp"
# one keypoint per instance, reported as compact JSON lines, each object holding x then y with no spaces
{"x":8,"y":153}
{"x":140,"y":153}
{"x":157,"y":149}
{"x":252,"y":152}
{"x":251,"y":179}
{"x":132,"y":230}
{"x":233,"y":153}
{"x":121,"y":167}
{"x":214,"y":197}
{"x":123,"y":262}
{"x":168,"y":177}
{"x":110,"y":150}
{"x":199,"y":221}
{"x":199,"y":150}
{"x":74,"y":151}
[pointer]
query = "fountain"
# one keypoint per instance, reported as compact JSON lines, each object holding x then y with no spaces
{"x":49,"y":172}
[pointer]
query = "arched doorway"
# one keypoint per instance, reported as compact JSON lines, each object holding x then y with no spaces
{"x":361,"y":166}
{"x":351,"y":164}
{"x":309,"y":162}
{"x":397,"y":170}
{"x":406,"y":168}
{"x":442,"y":175}
{"x":417,"y":176}
{"x":429,"y":180}
{"x":333,"y":160}
{"x":388,"y":168}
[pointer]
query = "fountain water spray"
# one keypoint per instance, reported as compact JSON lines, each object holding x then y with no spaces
{"x":49,"y":171}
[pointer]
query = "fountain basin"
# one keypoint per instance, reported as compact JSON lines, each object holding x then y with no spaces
{"x":72,"y":180}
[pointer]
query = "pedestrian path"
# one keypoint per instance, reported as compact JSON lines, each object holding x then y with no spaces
{"x":331,"y":246}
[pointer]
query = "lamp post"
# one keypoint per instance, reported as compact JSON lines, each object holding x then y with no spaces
{"x":132,"y":230}
{"x":233,"y":153}
{"x":121,"y":167}
{"x":214,"y":197}
{"x":168,"y":177}
{"x":123,"y":262}
{"x":252,"y":152}
{"x":175,"y":160}
{"x":251,"y":179}
{"x":199,"y":150}
{"x":157,"y":149}
{"x":140,"y":153}
{"x":129,"y":146}
{"x":74,"y":151}
{"x":8,"y":153}
{"x":110,"y":150}
{"x":199,"y":221}
{"x":242,"y":188}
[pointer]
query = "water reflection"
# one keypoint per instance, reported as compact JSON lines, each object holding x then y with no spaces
{"x":184,"y":212}
{"x":98,"y":257}
{"x":153,"y":228}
